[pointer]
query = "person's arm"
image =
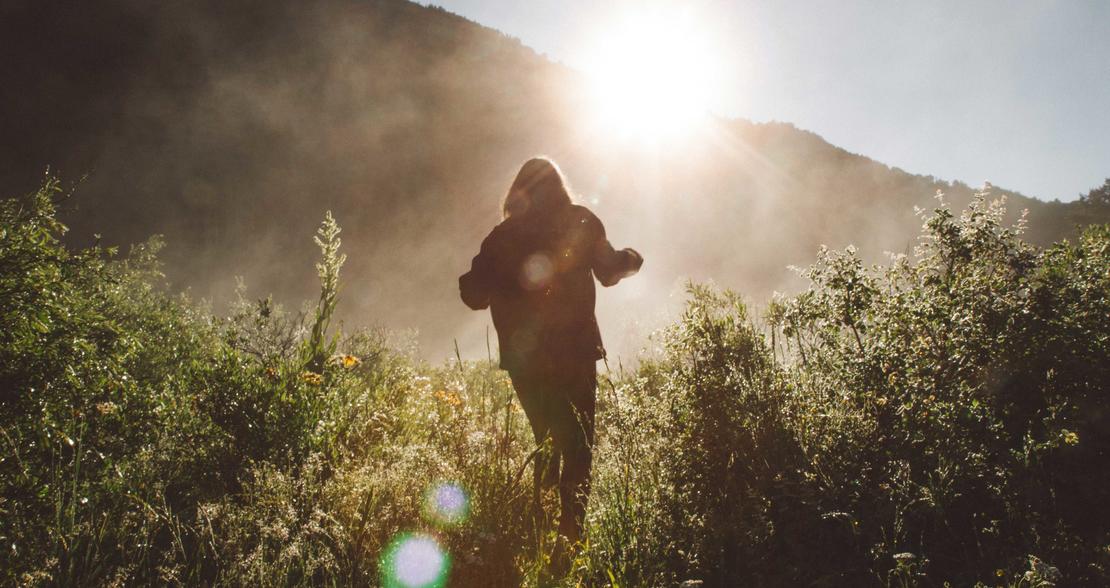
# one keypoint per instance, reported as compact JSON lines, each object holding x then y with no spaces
{"x":609,"y":265}
{"x":475,"y":285}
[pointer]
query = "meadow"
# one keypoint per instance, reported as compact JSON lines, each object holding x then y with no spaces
{"x":940,"y":419}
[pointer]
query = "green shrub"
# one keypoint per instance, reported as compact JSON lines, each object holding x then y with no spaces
{"x":940,"y":419}
{"x":126,"y":408}
{"x":935,"y":420}
{"x":977,"y":371}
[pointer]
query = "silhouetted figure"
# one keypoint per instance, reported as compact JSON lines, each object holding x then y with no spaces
{"x":535,"y":272}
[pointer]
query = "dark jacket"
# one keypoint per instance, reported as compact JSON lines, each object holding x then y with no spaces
{"x":535,"y":273}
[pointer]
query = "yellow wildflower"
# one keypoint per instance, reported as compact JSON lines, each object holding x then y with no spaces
{"x":999,"y":573}
{"x":312,"y":378}
{"x":1071,"y":437}
{"x":449,"y":397}
{"x":350,"y":361}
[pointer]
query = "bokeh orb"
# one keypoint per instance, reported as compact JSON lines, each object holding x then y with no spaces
{"x":447,"y":504}
{"x":537,"y":271}
{"x":415,"y":561}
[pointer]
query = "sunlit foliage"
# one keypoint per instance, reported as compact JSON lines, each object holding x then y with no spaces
{"x":939,"y":418}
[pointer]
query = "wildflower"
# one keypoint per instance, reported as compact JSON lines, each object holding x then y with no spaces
{"x":1042,"y":571}
{"x":1071,"y":437}
{"x":999,"y":573}
{"x":312,"y":378}
{"x":106,"y":407}
{"x":449,"y":397}
{"x":350,"y":361}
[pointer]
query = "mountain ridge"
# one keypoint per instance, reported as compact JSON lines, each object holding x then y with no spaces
{"x":231,"y":128}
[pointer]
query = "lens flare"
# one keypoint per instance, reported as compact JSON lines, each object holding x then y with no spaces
{"x":447,"y":504}
{"x":415,"y":561}
{"x":536,"y":272}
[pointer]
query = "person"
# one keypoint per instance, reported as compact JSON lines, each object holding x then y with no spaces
{"x":535,"y":272}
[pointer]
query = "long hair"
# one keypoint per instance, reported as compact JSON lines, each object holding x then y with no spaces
{"x":539,"y":188}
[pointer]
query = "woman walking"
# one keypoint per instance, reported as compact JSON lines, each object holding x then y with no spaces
{"x":535,"y":273}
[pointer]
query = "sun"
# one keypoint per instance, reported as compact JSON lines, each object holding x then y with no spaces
{"x":652,"y":76}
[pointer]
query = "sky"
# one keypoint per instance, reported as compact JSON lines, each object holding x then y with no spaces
{"x":1015,"y":92}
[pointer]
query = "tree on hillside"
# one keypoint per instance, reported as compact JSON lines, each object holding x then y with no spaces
{"x":1098,"y":197}
{"x":1093,"y":207}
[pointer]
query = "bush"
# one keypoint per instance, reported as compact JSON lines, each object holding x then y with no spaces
{"x":935,"y":420}
{"x":940,"y":419}
{"x":147,"y":441}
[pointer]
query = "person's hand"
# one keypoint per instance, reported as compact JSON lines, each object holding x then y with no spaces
{"x":637,"y":260}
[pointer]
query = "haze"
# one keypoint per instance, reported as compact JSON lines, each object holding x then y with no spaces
{"x":1013,"y":92}
{"x":230,"y":128}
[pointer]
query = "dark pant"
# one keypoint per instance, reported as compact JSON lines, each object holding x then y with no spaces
{"x":561,"y":403}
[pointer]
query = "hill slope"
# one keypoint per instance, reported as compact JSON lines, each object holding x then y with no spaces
{"x":231,"y":128}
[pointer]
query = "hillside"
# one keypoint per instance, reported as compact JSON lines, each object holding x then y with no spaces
{"x":230,"y":128}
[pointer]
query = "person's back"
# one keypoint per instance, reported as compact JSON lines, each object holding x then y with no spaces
{"x":535,"y":273}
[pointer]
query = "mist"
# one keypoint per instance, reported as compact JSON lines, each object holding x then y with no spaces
{"x":231,"y":128}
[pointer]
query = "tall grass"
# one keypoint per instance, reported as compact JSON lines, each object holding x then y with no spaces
{"x":938,"y":419}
